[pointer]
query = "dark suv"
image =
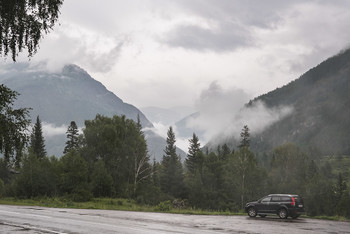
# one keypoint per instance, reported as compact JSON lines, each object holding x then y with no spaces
{"x":283,"y":205}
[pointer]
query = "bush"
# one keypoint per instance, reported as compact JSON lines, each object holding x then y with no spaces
{"x":164,"y":206}
{"x":81,"y":195}
{"x":343,"y":207}
{"x":2,"y":188}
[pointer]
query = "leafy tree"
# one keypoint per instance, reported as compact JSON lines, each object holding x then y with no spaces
{"x":171,"y":178}
{"x":340,"y":187}
{"x":37,"y":142}
{"x":245,"y":164}
{"x":101,"y":180}
{"x":119,"y":143}
{"x":2,"y":188}
{"x":13,"y":126}
{"x":288,"y":169}
{"x":142,"y":168}
{"x":23,"y":23}
{"x":73,"y":138}
{"x":74,"y":176}
{"x":37,"y":177}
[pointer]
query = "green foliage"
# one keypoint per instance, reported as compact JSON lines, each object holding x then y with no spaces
{"x":245,"y":135}
{"x":2,"y":188}
{"x":193,"y":161}
{"x":120,"y":144}
{"x":13,"y":125}
{"x":101,"y":181}
{"x":37,"y":141}
{"x":171,"y":177}
{"x":73,"y":138}
{"x":22,"y":24}
{"x":288,"y":169}
{"x":114,"y":162}
{"x":164,"y":206}
{"x":37,"y":177}
{"x":343,"y":206}
{"x":74,"y":176}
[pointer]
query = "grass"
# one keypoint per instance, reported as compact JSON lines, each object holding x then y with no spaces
{"x":333,"y":218}
{"x":128,"y":205}
{"x":108,"y":204}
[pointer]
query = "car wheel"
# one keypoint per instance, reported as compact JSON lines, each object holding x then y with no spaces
{"x":252,"y":212}
{"x":262,"y":216}
{"x":282,"y":213}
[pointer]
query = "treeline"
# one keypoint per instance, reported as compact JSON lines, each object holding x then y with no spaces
{"x":110,"y":159}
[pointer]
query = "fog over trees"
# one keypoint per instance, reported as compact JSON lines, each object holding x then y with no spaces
{"x":111,"y":160}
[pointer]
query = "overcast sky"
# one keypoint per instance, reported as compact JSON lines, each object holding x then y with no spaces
{"x":170,"y":52}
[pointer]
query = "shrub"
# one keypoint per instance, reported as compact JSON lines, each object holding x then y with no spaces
{"x":164,"y":206}
{"x":2,"y":188}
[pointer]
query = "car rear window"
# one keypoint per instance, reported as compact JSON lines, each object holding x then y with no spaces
{"x":276,"y":199}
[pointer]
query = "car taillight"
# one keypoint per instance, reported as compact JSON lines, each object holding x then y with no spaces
{"x":293,"y":201}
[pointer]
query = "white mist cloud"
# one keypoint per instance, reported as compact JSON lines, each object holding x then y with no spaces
{"x":162,"y":130}
{"x":223,"y":114}
{"x":51,"y":130}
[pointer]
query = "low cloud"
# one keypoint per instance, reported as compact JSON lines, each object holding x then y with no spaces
{"x":51,"y":130}
{"x":222,"y":39}
{"x":223,"y":113}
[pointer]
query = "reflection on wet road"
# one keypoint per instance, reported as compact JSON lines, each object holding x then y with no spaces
{"x":21,"y":219}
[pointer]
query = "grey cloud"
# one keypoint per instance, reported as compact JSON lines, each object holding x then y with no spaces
{"x":102,"y":62}
{"x":235,"y":21}
{"x":197,"y":38}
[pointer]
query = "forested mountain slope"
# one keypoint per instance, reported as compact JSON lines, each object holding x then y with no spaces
{"x":320,"y":99}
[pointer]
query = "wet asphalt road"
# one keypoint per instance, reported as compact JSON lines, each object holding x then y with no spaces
{"x":25,"y":219}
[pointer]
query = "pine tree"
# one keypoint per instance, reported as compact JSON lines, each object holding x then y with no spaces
{"x":192,"y":156}
{"x":171,"y":176}
{"x":139,"y":125}
{"x":73,"y":136}
{"x":245,"y":141}
{"x":37,"y":142}
{"x":245,"y":160}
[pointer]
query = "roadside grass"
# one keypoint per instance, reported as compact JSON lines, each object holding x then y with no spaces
{"x":108,"y":204}
{"x":332,"y":218}
{"x":129,"y":205}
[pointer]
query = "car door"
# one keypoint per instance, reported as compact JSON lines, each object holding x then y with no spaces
{"x":275,"y":204}
{"x":263,"y":205}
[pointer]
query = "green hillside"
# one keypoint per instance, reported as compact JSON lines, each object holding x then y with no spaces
{"x":320,"y":121}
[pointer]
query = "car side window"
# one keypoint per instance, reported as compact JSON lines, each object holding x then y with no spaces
{"x":286,"y":199}
{"x":266,"y":200}
{"x":275,"y":199}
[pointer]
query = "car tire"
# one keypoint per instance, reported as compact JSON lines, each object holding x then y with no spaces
{"x":252,"y":212}
{"x":282,"y":213}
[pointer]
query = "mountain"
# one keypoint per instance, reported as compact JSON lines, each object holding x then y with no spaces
{"x":69,"y":95}
{"x":320,"y":121}
{"x":185,"y":131}
{"x":72,"y":94}
{"x":165,"y":116}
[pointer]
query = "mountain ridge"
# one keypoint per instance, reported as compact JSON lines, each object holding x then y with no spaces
{"x":70,"y":95}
